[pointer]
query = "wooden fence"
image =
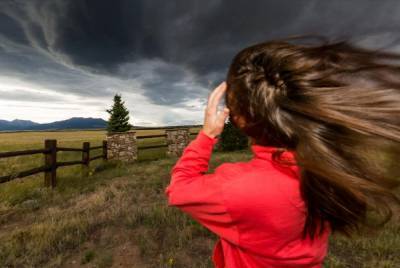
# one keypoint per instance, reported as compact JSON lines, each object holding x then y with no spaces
{"x":50,"y":158}
{"x":157,"y":136}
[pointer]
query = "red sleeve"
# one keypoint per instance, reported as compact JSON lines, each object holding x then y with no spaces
{"x":200,"y":195}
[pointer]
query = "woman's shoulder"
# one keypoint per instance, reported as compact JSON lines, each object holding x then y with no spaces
{"x":244,"y":182}
{"x":244,"y":175}
{"x":257,"y":169}
{"x":231,"y":170}
{"x":230,"y":166}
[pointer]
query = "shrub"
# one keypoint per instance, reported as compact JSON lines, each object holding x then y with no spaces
{"x":232,"y":139}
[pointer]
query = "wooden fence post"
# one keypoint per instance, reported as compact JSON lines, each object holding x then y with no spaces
{"x":86,"y":157}
{"x":50,"y":163}
{"x":104,"y":150}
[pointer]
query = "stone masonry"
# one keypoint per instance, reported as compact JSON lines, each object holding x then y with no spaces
{"x":122,"y":146}
{"x":177,"y":140}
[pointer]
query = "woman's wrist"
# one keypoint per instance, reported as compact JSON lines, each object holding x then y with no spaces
{"x":208,"y":134}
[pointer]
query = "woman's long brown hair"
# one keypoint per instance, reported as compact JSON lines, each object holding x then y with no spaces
{"x":337,"y":106}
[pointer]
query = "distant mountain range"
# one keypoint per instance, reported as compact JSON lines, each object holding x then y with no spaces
{"x":72,"y":123}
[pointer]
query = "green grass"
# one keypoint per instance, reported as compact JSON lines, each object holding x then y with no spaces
{"x":119,"y":216}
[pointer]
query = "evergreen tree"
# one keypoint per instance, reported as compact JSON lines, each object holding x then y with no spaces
{"x":232,"y":138}
{"x":119,"y":116}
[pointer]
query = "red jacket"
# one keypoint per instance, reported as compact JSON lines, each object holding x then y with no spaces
{"x":254,"y":207}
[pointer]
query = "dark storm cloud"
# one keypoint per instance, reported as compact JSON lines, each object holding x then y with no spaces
{"x":175,"y":50}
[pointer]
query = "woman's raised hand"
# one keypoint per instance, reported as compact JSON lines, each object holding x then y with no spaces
{"x":214,"y":120}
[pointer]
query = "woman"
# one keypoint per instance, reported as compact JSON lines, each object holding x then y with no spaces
{"x":321,"y":119}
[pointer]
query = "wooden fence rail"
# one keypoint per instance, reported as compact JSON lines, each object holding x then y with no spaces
{"x":157,"y":136}
{"x":50,"y":158}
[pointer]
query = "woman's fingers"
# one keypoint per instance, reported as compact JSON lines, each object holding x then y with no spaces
{"x":215,"y":98}
{"x":220,"y":90}
{"x":214,"y":121}
{"x":211,"y":96}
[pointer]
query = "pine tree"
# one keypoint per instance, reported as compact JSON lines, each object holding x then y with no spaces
{"x":232,"y":138}
{"x":119,"y":116}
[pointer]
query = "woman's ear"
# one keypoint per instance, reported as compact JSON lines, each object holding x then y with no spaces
{"x":239,"y":121}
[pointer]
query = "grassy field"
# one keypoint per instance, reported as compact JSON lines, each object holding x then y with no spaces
{"x":35,"y":140}
{"x":118,"y":217}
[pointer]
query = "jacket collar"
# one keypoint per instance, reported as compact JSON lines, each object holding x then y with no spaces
{"x":265,"y":152}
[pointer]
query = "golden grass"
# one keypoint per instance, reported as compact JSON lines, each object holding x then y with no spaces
{"x":31,"y":139}
{"x":74,"y":139}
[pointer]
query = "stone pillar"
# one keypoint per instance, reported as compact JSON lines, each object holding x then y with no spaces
{"x":122,"y":146}
{"x":177,"y":140}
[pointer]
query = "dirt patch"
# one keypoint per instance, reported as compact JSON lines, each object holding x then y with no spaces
{"x":107,"y":247}
{"x":127,"y":255}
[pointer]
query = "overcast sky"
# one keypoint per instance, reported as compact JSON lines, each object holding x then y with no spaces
{"x":67,"y":58}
